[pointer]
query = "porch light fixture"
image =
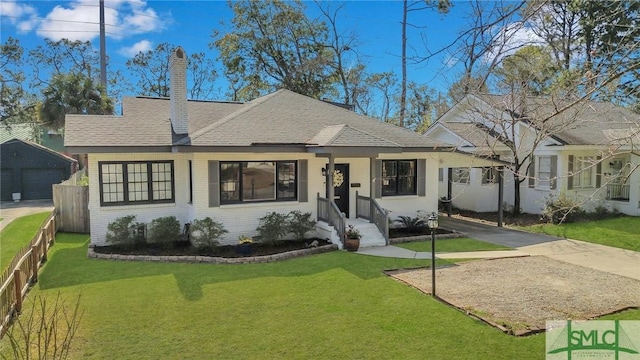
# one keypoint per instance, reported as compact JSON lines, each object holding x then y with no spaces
{"x":432,"y":222}
{"x":324,"y":172}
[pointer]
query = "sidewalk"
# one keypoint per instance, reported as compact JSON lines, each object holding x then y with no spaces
{"x":402,"y":253}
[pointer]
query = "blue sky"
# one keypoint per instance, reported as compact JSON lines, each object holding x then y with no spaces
{"x":138,"y":25}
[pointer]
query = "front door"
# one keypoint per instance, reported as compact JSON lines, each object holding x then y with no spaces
{"x":341,"y":187}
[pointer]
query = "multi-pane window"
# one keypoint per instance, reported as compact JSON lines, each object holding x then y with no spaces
{"x":489,"y":175}
{"x":136,"y":182}
{"x":583,"y":170}
{"x":544,"y":172}
{"x":460,"y":175}
{"x":398,"y":177}
{"x":248,"y":181}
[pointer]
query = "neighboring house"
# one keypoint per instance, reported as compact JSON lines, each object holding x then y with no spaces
{"x":237,"y":162}
{"x":585,"y":152}
{"x":28,"y":170}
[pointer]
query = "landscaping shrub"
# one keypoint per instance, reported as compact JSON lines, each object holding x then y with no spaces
{"x":164,"y":231}
{"x":121,"y":231}
{"x":412,"y":224}
{"x":300,"y":224}
{"x":561,"y":209}
{"x":273,"y":227}
{"x":206,"y":233}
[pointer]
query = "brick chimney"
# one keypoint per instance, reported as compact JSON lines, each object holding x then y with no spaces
{"x":178,"y":91}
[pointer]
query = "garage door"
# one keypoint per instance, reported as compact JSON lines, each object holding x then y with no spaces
{"x":6,"y":184}
{"x":36,"y":183}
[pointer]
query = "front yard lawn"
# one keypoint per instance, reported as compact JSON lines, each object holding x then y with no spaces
{"x":17,"y":235}
{"x":621,"y":232}
{"x":327,"y":306}
{"x":452,"y":245}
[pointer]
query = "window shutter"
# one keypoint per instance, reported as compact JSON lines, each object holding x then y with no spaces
{"x":599,"y":172}
{"x":532,"y":172}
{"x":422,"y":181}
{"x":554,"y":171}
{"x":214,"y":183}
{"x":376,"y":178}
{"x":570,"y":177}
{"x":303,"y":174}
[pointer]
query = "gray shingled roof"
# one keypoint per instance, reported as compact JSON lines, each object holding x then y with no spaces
{"x":476,"y":135}
{"x":585,"y":123}
{"x":28,"y":132}
{"x":283,"y":117}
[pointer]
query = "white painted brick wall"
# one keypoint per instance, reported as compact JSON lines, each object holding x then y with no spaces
{"x":243,"y":219}
{"x":178,"y":91}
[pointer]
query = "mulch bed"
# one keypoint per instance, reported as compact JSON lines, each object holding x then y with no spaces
{"x":225,"y":251}
{"x":518,"y":295}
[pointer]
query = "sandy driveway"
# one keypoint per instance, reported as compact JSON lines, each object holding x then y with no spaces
{"x":520,"y":294}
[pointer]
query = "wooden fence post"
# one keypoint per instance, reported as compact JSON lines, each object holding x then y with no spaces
{"x":35,"y":262}
{"x":17,"y":282}
{"x":44,"y":245}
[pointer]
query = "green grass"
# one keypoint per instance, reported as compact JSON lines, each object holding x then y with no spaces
{"x":621,"y":232}
{"x":452,"y":245}
{"x":336,"y":305}
{"x":17,"y":235}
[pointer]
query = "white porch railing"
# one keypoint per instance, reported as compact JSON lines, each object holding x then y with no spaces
{"x":618,"y":192}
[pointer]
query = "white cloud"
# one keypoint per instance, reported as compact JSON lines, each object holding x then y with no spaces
{"x":79,"y":19}
{"x":140,"y":46}
{"x":13,"y":10}
{"x":23,"y":16}
{"x":510,"y":39}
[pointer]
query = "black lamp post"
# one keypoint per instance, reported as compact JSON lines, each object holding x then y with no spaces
{"x":432,"y":222}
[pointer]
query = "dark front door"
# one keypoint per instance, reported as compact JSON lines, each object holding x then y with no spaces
{"x":341,"y":187}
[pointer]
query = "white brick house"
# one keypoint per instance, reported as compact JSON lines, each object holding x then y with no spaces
{"x":236,"y":162}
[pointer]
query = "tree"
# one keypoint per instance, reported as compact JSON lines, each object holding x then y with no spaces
{"x":274,"y":45}
{"x":15,"y":105}
{"x":557,"y":24}
{"x":529,"y":71}
{"x":72,"y":93}
{"x":152,"y":71}
{"x":443,"y":7}
{"x":62,"y":56}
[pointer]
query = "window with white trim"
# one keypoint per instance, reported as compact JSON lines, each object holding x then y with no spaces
{"x":460,"y":175}
{"x":489,"y":175}
{"x":583,"y":172}
{"x":136,"y":182}
{"x":544,"y":172}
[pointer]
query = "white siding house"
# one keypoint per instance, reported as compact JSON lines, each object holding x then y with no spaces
{"x":585,"y":151}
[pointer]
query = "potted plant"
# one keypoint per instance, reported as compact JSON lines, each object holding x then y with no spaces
{"x":244,"y":247}
{"x":352,"y":238}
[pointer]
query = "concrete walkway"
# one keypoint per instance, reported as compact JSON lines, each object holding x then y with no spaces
{"x":9,"y":211}
{"x":594,"y":256}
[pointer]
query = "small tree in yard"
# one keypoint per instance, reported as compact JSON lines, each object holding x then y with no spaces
{"x":206,"y":233}
{"x":273,"y":227}
{"x":300,"y":223}
{"x":164,"y":230}
{"x":44,"y":331}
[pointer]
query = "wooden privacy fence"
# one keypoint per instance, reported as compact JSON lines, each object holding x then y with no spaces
{"x":22,"y":272}
{"x":71,"y":201}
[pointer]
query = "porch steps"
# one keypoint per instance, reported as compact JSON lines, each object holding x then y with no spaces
{"x":371,"y":236}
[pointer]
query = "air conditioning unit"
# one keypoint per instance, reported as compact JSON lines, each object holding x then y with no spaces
{"x":16,"y":197}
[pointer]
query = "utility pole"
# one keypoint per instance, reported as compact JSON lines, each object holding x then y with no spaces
{"x":103,"y":49}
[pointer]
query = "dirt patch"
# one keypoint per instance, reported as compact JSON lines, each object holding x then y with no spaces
{"x":518,"y":295}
